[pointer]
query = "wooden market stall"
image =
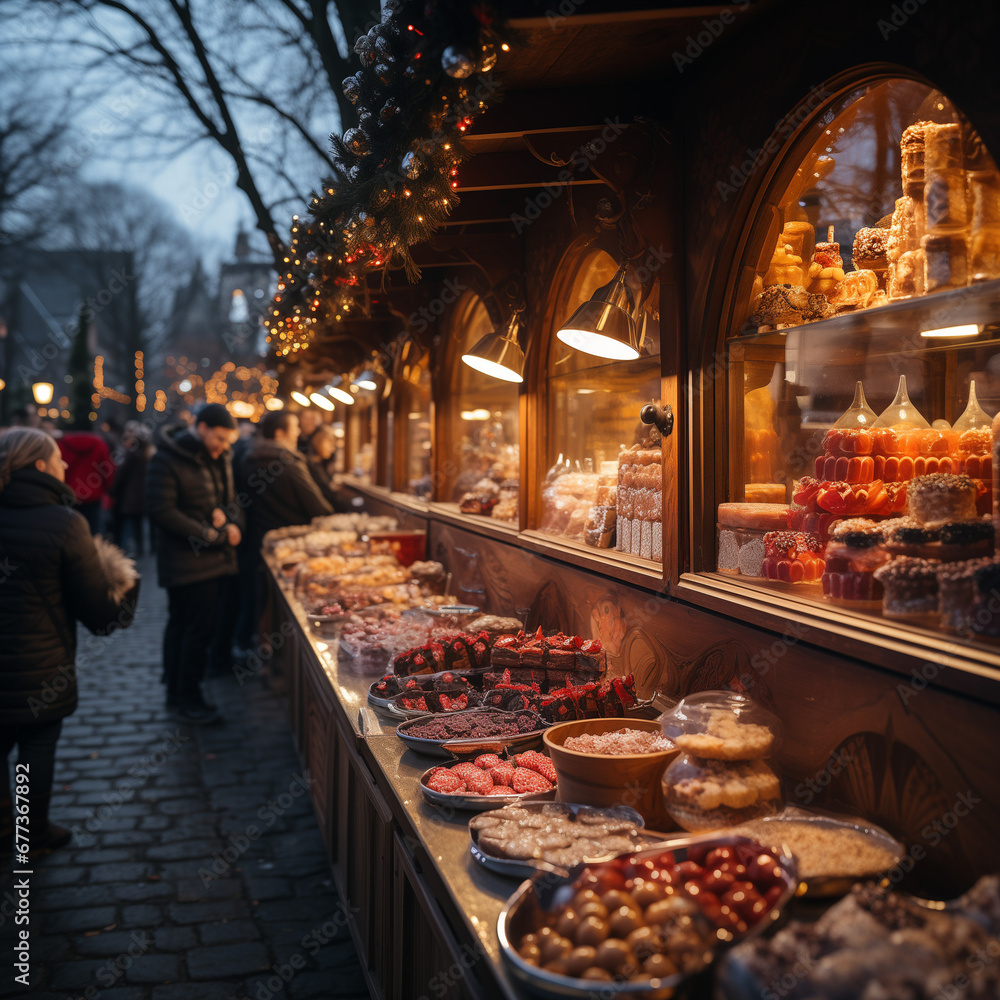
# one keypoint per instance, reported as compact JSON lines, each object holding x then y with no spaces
{"x":689,"y":142}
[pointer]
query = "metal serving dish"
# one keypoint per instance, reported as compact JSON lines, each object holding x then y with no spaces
{"x":394,"y":707}
{"x":521,"y":915}
{"x":527,"y":867}
{"x":466,"y":746}
{"x":828,"y":886}
{"x":478,"y":803}
{"x":426,"y":682}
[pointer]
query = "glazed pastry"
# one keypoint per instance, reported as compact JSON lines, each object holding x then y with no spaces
{"x":727,"y":738}
{"x":507,"y":508}
{"x":846,"y":455}
{"x":984,"y":243}
{"x":792,"y":557}
{"x":705,"y":794}
{"x":799,"y":236}
{"x":910,"y":587}
{"x":826,"y":269}
{"x":945,"y":205}
{"x":939,"y":498}
{"x":907,"y":276}
{"x":974,"y":457}
{"x":905,"y":228}
{"x":911,"y":149}
{"x":907,"y":537}
{"x":957,"y":592}
{"x":477,"y":503}
{"x":789,"y":305}
{"x":857,"y":290}
{"x":599,"y":530}
{"x":961,"y":540}
{"x":942,"y":148}
{"x":870,"y":252}
{"x":852,"y":556}
{"x":764,"y":493}
{"x":760,"y":516}
{"x":785,"y":268}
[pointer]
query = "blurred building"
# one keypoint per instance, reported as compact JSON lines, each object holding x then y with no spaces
{"x":41,"y":294}
{"x":222,"y":320}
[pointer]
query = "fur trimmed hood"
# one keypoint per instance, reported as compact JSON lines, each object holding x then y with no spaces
{"x":118,"y":568}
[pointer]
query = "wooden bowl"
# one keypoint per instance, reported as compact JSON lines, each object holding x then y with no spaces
{"x":603,"y":780}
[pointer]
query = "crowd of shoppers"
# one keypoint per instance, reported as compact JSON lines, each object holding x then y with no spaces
{"x":208,"y":511}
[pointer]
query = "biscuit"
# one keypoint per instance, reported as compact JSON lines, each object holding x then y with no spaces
{"x":726,"y":738}
{"x":730,"y":785}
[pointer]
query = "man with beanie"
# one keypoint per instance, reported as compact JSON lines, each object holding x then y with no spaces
{"x":191,"y":499}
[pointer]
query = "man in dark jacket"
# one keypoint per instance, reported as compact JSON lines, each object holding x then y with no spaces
{"x":191,"y":499}
{"x":277,"y":489}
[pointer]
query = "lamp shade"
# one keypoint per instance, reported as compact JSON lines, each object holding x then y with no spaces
{"x":603,"y":326}
{"x":344,"y":397}
{"x":321,"y":401}
{"x":300,"y":397}
{"x":499,"y":356}
{"x":42,"y":391}
{"x":366,"y":380}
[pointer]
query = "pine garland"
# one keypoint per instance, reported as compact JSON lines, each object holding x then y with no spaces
{"x":426,"y":73}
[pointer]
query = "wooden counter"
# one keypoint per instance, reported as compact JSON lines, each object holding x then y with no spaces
{"x":422,"y":913}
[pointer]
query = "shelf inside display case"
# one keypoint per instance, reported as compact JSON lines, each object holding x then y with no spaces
{"x":977,"y":304}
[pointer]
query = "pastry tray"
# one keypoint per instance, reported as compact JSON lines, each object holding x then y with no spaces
{"x":380,"y":702}
{"x":537,"y":893}
{"x":478,"y":803}
{"x":465,"y":746}
{"x":829,"y":886}
{"x":372,"y":609}
{"x":526,"y":867}
{"x":394,"y":710}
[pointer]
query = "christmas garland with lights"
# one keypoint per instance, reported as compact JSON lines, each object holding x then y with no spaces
{"x":425,"y":75}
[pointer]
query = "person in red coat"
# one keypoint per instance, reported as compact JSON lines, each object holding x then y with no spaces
{"x":89,"y":472}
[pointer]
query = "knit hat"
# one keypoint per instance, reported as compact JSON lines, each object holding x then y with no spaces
{"x":215,"y":415}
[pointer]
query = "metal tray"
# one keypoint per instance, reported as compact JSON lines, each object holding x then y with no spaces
{"x":451,"y":610}
{"x":377,"y":701}
{"x":526,"y":867}
{"x":449,"y":748}
{"x":536,"y":893}
{"x":395,"y":710}
{"x":830,"y":886}
{"x":478,"y":803}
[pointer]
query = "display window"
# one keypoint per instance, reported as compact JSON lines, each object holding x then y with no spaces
{"x":603,"y":485}
{"x":362,"y":431}
{"x":412,"y":392}
{"x":864,"y":365}
{"x":481,"y":458}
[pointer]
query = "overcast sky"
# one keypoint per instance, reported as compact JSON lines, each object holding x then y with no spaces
{"x":133,"y":134}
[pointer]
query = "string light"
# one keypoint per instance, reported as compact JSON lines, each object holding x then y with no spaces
{"x":370,"y":222}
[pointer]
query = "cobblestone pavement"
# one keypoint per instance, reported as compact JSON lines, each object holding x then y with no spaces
{"x":197,"y":871}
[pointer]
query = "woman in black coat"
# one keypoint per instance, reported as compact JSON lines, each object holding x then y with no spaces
{"x":54,"y":575}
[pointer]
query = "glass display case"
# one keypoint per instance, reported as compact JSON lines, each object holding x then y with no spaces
{"x":413,"y":418}
{"x":481,"y":447}
{"x":863,"y":365}
{"x":604,"y":480}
